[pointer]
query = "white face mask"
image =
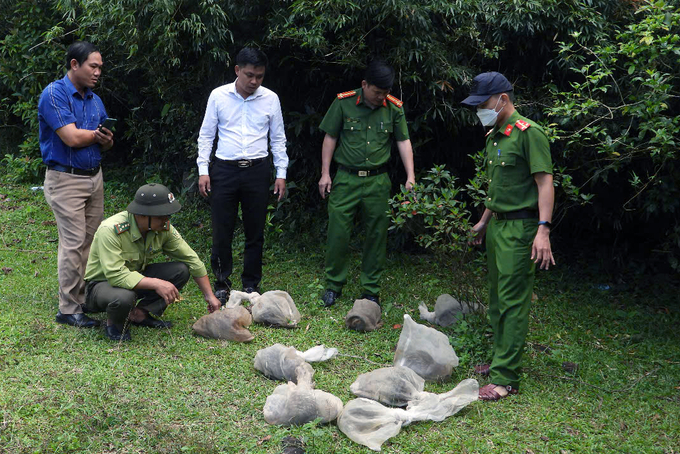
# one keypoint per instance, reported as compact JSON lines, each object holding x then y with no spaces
{"x":488,"y":117}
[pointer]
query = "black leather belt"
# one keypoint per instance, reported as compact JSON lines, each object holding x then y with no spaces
{"x":242,"y":163}
{"x":74,"y":170}
{"x":364,"y":172}
{"x":519,"y":214}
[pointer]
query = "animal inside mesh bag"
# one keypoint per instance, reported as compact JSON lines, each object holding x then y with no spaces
{"x":425,"y":350}
{"x":281,"y":363}
{"x":297,"y":404}
{"x":364,"y":316}
{"x":447,"y":310}
{"x":230,"y":324}
{"x":274,"y":307}
{"x":394,"y":386}
{"x":370,"y":423}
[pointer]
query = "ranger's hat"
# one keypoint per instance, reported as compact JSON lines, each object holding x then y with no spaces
{"x":154,"y":200}
{"x":486,"y":85}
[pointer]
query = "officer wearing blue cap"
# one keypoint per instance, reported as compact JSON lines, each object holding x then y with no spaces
{"x":516,"y":222}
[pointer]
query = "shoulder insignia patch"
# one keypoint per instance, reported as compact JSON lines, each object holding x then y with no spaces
{"x":122,"y":227}
{"x":347,"y":94}
{"x":396,"y":101}
{"x":508,"y":130}
{"x":523,"y":125}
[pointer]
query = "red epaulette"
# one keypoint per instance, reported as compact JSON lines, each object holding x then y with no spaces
{"x":396,"y":101}
{"x":346,"y":94}
{"x":523,"y":125}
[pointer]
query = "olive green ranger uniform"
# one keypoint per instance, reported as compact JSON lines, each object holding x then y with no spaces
{"x":119,"y":259}
{"x":361,"y":183}
{"x":514,"y":152}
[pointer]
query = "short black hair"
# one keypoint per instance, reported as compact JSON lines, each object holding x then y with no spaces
{"x":79,"y":51}
{"x":251,"y":56}
{"x":380,"y":74}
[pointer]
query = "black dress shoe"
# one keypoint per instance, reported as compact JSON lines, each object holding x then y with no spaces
{"x":251,"y":289}
{"x":329,"y":297}
{"x":374,"y":298}
{"x":151,"y":322}
{"x":115,"y":333}
{"x":77,"y":320}
{"x":222,"y":295}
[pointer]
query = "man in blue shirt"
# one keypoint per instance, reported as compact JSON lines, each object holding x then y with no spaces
{"x":70,"y":142}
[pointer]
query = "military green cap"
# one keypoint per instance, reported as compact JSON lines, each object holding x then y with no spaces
{"x":154,"y":200}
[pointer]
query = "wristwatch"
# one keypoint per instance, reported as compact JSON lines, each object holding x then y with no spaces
{"x":545,"y":223}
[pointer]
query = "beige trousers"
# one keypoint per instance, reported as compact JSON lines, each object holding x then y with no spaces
{"x":78,"y":206}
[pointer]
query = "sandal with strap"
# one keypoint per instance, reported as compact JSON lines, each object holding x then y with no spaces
{"x":489,"y":392}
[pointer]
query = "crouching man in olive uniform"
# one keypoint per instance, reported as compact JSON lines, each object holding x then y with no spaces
{"x":118,"y":271}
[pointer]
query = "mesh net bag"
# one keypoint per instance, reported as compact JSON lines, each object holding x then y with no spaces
{"x":281,"y":363}
{"x":394,"y":386}
{"x":275,"y":307}
{"x":370,"y":423}
{"x":425,"y":350}
{"x":230,"y":324}
{"x":297,"y":404}
{"x":364,"y":316}
{"x":447,"y":310}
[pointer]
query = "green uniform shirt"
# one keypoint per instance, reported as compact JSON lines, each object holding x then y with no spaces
{"x":513,"y":155}
{"x":365,"y":134}
{"x":119,"y":252}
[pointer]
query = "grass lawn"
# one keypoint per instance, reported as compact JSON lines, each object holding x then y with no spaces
{"x":71,"y":390}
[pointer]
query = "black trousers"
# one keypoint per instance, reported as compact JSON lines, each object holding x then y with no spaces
{"x":231,"y":185}
{"x":100,"y":296}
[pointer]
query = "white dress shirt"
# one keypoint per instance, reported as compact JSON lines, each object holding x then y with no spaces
{"x":243,"y":126}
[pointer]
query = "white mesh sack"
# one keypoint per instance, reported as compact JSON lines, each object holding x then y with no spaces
{"x":394,"y":386}
{"x":230,"y":324}
{"x":447,"y":310}
{"x":425,"y":350}
{"x":297,"y":404}
{"x":370,"y":423}
{"x":275,"y":307}
{"x":364,"y":316}
{"x":281,"y":363}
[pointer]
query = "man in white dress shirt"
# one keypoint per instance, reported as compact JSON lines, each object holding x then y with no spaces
{"x":243,"y":114}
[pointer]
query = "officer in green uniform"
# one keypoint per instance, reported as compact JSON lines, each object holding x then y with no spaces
{"x":118,"y":271}
{"x":516,"y":222}
{"x":359,"y":127}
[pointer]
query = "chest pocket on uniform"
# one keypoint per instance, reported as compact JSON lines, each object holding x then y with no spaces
{"x":504,"y":169}
{"x":132,"y":260}
{"x":352,"y":125}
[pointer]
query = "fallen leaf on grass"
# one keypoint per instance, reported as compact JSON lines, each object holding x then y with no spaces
{"x":35,"y":274}
{"x":569,"y":367}
{"x":544,"y":438}
{"x":49,"y":223}
{"x":397,"y":326}
{"x":529,"y":451}
{"x":6,"y":270}
{"x":534,"y":297}
{"x":262,"y":440}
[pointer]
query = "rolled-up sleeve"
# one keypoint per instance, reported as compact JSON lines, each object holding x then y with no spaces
{"x":206,"y":135}
{"x":178,"y":249}
{"x":112,"y":263}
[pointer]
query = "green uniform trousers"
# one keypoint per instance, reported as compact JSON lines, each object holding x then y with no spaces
{"x":349,"y":194}
{"x":511,"y":282}
{"x":100,"y":296}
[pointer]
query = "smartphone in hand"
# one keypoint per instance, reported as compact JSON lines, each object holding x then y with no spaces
{"x":109,"y":124}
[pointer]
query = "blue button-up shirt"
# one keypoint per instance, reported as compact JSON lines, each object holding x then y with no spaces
{"x":60,"y":104}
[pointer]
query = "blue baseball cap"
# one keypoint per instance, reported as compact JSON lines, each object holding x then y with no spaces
{"x":486,"y":85}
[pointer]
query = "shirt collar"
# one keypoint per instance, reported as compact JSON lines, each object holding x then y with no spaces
{"x":72,"y":88}
{"x":134,"y":228}
{"x":509,"y":123}
{"x":232,"y":89}
{"x":360,"y":99}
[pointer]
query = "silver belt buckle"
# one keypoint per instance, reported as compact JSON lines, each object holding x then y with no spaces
{"x":362,"y":173}
{"x":244,"y":163}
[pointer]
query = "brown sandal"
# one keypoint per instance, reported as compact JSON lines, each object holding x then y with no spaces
{"x":489,"y":393}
